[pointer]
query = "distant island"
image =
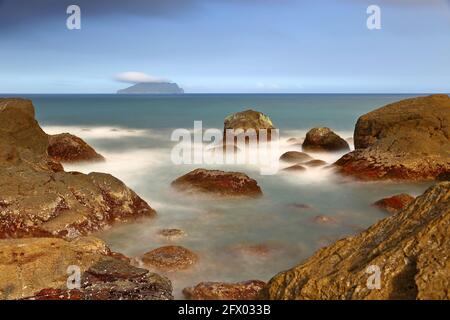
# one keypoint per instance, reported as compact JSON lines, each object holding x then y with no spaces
{"x":153,"y":88}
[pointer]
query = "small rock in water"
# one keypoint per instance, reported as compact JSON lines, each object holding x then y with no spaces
{"x":321,"y":219}
{"x":295,"y":157}
{"x":395,"y":203}
{"x":171,"y":234}
{"x":301,"y":206}
{"x":260,"y":250}
{"x":315,"y":163}
{"x":296,"y":168}
{"x":170,"y":258}
{"x":246,"y":290}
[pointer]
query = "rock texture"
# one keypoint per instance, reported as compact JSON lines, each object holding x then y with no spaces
{"x":37,"y":198}
{"x":66,"y":147}
{"x":411,"y":249}
{"x":170,"y":258}
{"x":38,"y":268}
{"x":247,"y":290}
{"x":217,"y":183}
{"x":248,"y":120}
{"x":395,"y":203}
{"x":295,"y":157}
{"x":406,"y":140}
{"x":324,"y":140}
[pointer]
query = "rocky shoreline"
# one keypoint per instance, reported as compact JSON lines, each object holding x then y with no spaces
{"x":47,"y":214}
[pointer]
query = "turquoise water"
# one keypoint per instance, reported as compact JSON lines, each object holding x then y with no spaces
{"x":133,"y":133}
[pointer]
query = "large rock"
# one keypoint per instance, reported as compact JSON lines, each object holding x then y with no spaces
{"x":217,"y":183}
{"x":170,"y":258}
{"x":406,"y":140}
{"x":246,"y":290}
{"x":39,"y":268}
{"x":37,"y":198}
{"x":411,"y":250}
{"x":66,"y":147}
{"x":248,"y":120}
{"x":324,"y":140}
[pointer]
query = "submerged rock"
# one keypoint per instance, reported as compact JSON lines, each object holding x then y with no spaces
{"x":218,"y":183}
{"x":295,"y":157}
{"x":315,"y":163}
{"x":324,"y":140}
{"x":321,"y":219}
{"x":39,"y":199}
{"x":248,"y":120}
{"x":66,"y":147}
{"x":406,"y":140}
{"x":171,"y":234}
{"x":246,"y":290}
{"x":395,"y":203}
{"x":410,"y":249}
{"x":38,"y":268}
{"x":170,"y":258}
{"x":295,"y":168}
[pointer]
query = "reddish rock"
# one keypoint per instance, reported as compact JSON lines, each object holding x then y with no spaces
{"x":395,"y":203}
{"x":170,"y":258}
{"x":324,"y":140}
{"x":66,"y":147}
{"x":295,"y":157}
{"x":58,"y":294}
{"x":217,"y":183}
{"x":247,"y":290}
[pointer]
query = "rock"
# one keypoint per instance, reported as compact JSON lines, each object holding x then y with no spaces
{"x":217,"y":183}
{"x":170,"y":258}
{"x":406,"y":140}
{"x":66,"y":147}
{"x":395,"y":203}
{"x":324,"y":140}
{"x":444,"y":176}
{"x":38,"y":268}
{"x":293,"y":141}
{"x":259,"y":250}
{"x":321,"y":219}
{"x":295,"y":157}
{"x":248,"y":120}
{"x":315,"y":163}
{"x":295,"y":168}
{"x":300,"y":206}
{"x":36,"y":201}
{"x":411,"y":250}
{"x":172,"y":234}
{"x":247,"y":290}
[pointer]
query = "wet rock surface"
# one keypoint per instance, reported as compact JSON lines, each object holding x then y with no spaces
{"x":295,"y":157}
{"x":395,"y":203}
{"x":406,"y":140}
{"x":248,"y":120}
{"x":217,"y":183}
{"x":411,"y":250}
{"x":170,"y":258}
{"x":246,"y":290}
{"x":66,"y":147}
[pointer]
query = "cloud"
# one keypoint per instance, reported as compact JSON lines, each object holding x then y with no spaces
{"x":138,"y":77}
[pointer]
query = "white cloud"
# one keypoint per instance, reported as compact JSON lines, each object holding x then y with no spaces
{"x":138,"y":77}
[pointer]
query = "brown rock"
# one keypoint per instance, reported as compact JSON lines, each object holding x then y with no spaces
{"x":315,"y":163}
{"x":66,"y":147}
{"x":247,"y":290}
{"x":411,"y":250}
{"x":260,"y":250}
{"x":295,"y":168}
{"x":218,"y":183}
{"x":395,"y":203}
{"x":444,"y":176}
{"x":39,"y":199}
{"x":324,"y":140}
{"x":295,"y":157}
{"x":406,"y":140}
{"x":321,"y":219}
{"x":170,"y":258}
{"x":172,"y":234}
{"x":248,"y":121}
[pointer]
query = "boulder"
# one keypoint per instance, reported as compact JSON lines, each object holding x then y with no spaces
{"x":169,"y":258}
{"x":217,"y":183}
{"x":406,"y":140}
{"x":39,"y":268}
{"x":410,"y":249}
{"x":324,"y":140}
{"x":248,"y":120}
{"x":37,"y":198}
{"x":66,"y":147}
{"x":395,"y":203}
{"x":295,"y":157}
{"x":246,"y":290}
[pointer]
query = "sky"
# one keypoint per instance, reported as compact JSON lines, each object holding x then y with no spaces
{"x":226,"y":46}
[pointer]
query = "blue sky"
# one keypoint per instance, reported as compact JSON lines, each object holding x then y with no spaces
{"x":275,"y":46}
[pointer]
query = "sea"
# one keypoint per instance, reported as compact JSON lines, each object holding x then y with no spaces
{"x":235,"y":239}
